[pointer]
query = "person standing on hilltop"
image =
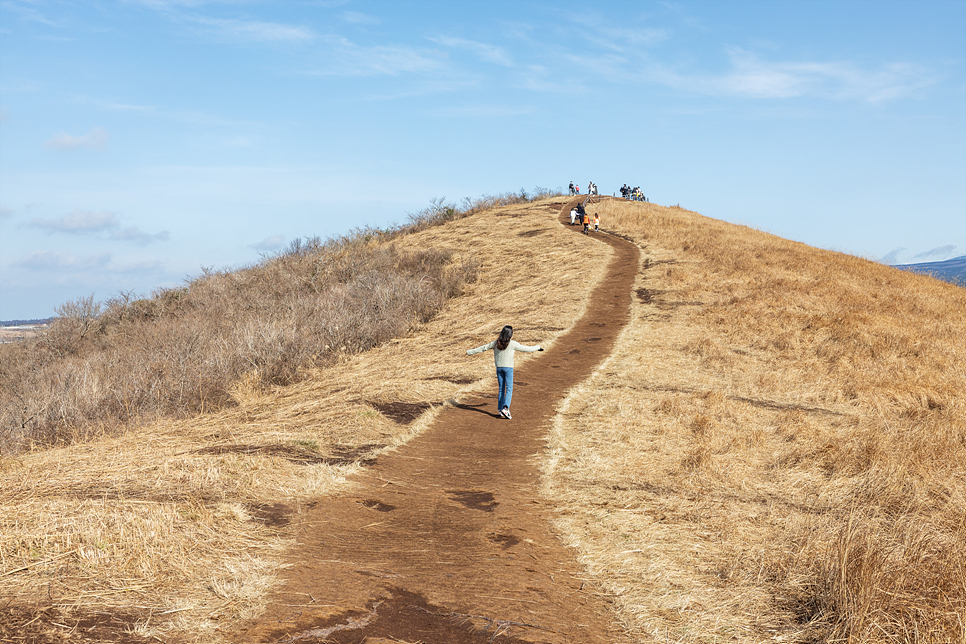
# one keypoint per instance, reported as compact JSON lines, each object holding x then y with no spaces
{"x":503,"y":348}
{"x":571,"y":188}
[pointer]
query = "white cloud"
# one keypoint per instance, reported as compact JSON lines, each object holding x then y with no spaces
{"x":78,"y":222}
{"x":226,"y":29}
{"x":147,"y":266}
{"x":73,"y":268}
{"x":617,"y":58}
{"x":358,"y":18}
{"x":540,"y":79}
{"x":90,"y":222}
{"x":46,"y":260}
{"x":184,"y":116}
{"x":603,"y":34}
{"x":349,"y":59}
{"x":253,"y":31}
{"x":487,"y":53}
{"x":27,"y":12}
{"x":238,"y":141}
{"x":269,"y":243}
{"x":95,"y":139}
{"x":138,"y":236}
{"x":753,"y":77}
{"x":5,"y":212}
{"x":120,"y":107}
{"x":484,"y":111}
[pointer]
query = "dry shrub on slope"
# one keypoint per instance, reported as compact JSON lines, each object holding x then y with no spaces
{"x":180,"y":352}
{"x":179,"y":526}
{"x":778,"y":450}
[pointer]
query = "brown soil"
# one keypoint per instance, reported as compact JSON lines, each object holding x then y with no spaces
{"x":447,"y":540}
{"x":52,"y":626}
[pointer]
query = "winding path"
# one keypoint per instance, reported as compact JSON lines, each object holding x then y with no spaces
{"x":448,"y":540}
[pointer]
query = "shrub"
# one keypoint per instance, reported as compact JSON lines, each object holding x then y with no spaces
{"x":180,"y":351}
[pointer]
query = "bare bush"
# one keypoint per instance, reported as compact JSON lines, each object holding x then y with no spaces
{"x":180,"y":351}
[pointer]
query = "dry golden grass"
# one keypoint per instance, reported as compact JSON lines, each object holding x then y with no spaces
{"x":777,"y":450}
{"x":183,"y":522}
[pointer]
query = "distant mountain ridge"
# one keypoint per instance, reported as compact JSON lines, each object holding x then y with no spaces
{"x":950,"y":270}
{"x":5,"y":323}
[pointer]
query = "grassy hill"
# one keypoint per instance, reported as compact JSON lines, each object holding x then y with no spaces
{"x":781,"y":448}
{"x":775,"y":452}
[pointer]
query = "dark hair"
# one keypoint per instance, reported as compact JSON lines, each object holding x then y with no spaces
{"x":504,"y":340}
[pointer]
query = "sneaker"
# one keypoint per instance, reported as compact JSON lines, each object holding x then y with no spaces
{"x":506,"y":412}
{"x":503,"y":413}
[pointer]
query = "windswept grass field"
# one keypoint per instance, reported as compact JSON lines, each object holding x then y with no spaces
{"x":775,"y":452}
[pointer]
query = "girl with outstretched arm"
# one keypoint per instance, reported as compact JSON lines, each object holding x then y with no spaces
{"x":503,"y":348}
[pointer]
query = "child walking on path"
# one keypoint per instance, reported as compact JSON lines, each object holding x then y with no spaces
{"x":503,"y":348}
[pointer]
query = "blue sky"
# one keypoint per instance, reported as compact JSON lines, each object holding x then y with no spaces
{"x":142,"y":140}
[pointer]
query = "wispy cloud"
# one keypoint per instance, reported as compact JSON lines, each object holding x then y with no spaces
{"x":485,"y":52}
{"x":95,"y":140}
{"x":77,"y":222}
{"x":250,"y":31}
{"x":137,"y":236}
{"x":481,"y":111}
{"x":346,"y":58}
{"x":184,"y":116}
{"x":621,"y":55}
{"x":27,"y":11}
{"x":753,"y":77}
{"x":46,"y":260}
{"x":539,"y":78}
{"x":234,"y":30}
{"x":91,"y":222}
{"x":603,"y":33}
{"x":141,"y":267}
{"x":269,"y":243}
{"x":5,"y":212}
{"x":357,"y":18}
{"x":115,"y":106}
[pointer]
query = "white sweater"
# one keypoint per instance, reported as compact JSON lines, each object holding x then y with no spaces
{"x":504,"y":358}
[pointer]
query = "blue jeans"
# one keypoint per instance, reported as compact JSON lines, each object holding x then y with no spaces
{"x":504,"y":382}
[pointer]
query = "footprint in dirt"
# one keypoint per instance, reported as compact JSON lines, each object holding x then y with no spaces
{"x":504,"y":540}
{"x":378,"y":506}
{"x":474,"y":499}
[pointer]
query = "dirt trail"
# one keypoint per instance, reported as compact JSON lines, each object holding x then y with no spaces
{"x":448,"y":540}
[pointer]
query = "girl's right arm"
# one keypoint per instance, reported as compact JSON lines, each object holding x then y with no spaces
{"x":485,"y":347}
